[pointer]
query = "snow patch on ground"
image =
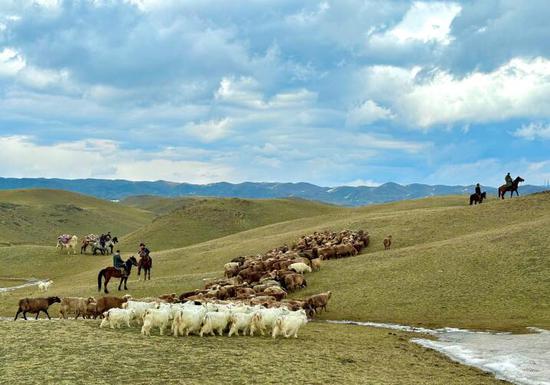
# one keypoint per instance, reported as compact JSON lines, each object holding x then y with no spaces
{"x":522,"y":359}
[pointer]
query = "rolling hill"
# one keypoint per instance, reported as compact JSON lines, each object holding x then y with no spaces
{"x":39,"y":216}
{"x":185,"y":221}
{"x":480,"y":267}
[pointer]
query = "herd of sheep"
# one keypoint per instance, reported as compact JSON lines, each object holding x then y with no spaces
{"x":251,"y":298}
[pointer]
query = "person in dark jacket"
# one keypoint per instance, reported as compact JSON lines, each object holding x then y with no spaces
{"x":478,"y":191}
{"x":118,"y":263}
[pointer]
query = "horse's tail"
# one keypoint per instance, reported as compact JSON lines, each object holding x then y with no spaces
{"x":99,"y":276}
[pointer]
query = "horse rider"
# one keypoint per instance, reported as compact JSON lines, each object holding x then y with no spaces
{"x":478,"y":191}
{"x":118,"y":263}
{"x":143,"y":252}
{"x":509,"y":181}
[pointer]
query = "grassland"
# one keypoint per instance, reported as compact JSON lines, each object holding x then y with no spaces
{"x":38,"y":216}
{"x":483,"y":267}
{"x":186,"y":221}
{"x":79,"y":353}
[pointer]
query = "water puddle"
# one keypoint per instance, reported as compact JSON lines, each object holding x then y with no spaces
{"x":519,"y":358}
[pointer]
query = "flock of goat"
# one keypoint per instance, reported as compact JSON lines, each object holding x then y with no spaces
{"x":251,"y":298}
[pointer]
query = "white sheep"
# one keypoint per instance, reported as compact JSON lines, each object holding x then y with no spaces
{"x":188,"y":320}
{"x":215,"y":321}
{"x":300,"y":267}
{"x":240,"y":321}
{"x":288,"y":325}
{"x":115,"y":317}
{"x":140,"y":308}
{"x":264,"y":319}
{"x":155,"y":318}
{"x":44,"y":285}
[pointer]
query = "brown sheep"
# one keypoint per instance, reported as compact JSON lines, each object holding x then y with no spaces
{"x":387,"y":242}
{"x":345,"y":250}
{"x":316,"y":264}
{"x":319,"y":301}
{"x":169,"y":298}
{"x":108,"y":302}
{"x":35,"y":305}
{"x":74,"y":305}
{"x":327,"y":252}
{"x":294,"y":281}
{"x":91,"y":311}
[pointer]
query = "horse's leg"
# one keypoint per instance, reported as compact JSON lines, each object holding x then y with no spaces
{"x":107,"y":278}
{"x":149,"y":272}
{"x":120,"y":283}
{"x":125,"y":282}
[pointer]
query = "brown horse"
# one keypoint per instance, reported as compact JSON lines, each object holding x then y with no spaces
{"x":113,"y":272}
{"x":145,"y":263}
{"x":502,"y":189}
{"x":475,"y":199}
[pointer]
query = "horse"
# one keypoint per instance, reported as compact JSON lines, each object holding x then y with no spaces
{"x":475,"y":199}
{"x":145,"y":263}
{"x":109,"y":245}
{"x":87,"y":241}
{"x":502,"y":189}
{"x":113,"y":272}
{"x":64,"y":242}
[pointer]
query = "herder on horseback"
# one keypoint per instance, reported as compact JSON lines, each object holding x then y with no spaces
{"x":119,"y":264}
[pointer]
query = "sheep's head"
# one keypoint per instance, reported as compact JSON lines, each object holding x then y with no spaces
{"x":54,"y":300}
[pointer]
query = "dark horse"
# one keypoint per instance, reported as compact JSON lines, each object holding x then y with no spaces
{"x":475,"y":199}
{"x":145,"y":263}
{"x":113,"y":272}
{"x":502,"y":189}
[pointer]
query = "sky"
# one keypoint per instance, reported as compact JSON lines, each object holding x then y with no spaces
{"x":342,"y":92}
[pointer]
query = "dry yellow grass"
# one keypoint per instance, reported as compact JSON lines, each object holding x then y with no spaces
{"x":78,"y":352}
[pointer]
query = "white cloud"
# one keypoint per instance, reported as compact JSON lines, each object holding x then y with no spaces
{"x":388,"y":143}
{"x":209,"y":131}
{"x":22,"y":157}
{"x":367,"y":113}
{"x":11,"y":62}
{"x":534,"y":131}
{"x":424,"y":22}
{"x":519,"y":88}
{"x":240,"y":91}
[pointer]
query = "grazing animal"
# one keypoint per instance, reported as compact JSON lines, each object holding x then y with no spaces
{"x":35,"y":305}
{"x":215,"y":321}
{"x":106,"y":303}
{"x":110,"y":272}
{"x":318,"y":302}
{"x":387,"y":242}
{"x":67,"y":243}
{"x":300,"y":267}
{"x":155,"y":317}
{"x":475,"y":199}
{"x":44,"y":285}
{"x":188,"y":320}
{"x":75,"y":305}
{"x":515,"y":183}
{"x":289,"y":324}
{"x":145,"y":263}
{"x":139,"y":307}
{"x":116,"y":317}
{"x":316,"y":264}
{"x":240,"y":321}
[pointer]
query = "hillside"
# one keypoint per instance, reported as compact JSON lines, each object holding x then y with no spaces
{"x":483,"y":267}
{"x":186,"y":221}
{"x":39,"y":216}
{"x":340,"y":195}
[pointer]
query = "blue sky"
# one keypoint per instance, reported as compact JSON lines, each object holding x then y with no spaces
{"x":328,"y":92}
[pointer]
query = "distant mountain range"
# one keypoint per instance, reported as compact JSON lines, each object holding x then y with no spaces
{"x":344,"y":195}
